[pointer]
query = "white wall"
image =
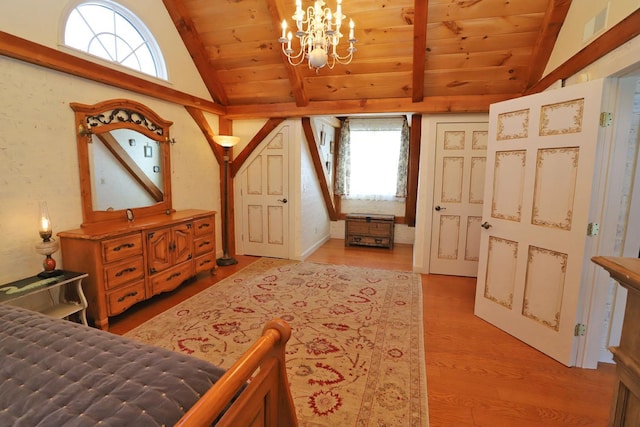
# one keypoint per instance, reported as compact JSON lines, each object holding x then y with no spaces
{"x":42,"y":22}
{"x":571,"y":38}
{"x":246,"y":130}
{"x":314,"y":217}
{"x":38,"y":156}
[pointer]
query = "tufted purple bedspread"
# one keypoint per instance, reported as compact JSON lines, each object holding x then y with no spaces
{"x":59,"y":373}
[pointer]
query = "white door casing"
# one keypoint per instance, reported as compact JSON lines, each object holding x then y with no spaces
{"x":264,"y":203}
{"x":457,"y":198}
{"x":540,"y":169}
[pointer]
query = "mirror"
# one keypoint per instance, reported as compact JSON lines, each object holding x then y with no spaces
{"x":123,"y":156}
{"x":124,"y":159}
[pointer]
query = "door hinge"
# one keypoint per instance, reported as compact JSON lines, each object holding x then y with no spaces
{"x":606,"y":119}
{"x":580,"y":330}
{"x":593,"y":229}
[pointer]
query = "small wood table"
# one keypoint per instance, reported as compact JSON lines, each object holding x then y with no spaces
{"x":625,"y":408}
{"x":68,"y":299}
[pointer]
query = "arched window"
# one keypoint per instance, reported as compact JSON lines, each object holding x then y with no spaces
{"x":107,"y":30}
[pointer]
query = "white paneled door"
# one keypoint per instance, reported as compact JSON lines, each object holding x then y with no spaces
{"x":457,"y":198}
{"x":540,"y":169}
{"x":265,"y":208}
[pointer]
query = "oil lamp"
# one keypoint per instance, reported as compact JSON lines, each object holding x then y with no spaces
{"x":49,"y":245}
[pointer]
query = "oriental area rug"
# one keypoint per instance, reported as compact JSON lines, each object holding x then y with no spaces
{"x":355,"y":356}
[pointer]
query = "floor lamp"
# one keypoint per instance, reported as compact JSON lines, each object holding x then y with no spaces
{"x":226,"y":141}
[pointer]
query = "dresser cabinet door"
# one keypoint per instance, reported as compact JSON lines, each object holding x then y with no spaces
{"x":169,"y":246}
{"x":182,"y":236}
{"x":159,"y":246}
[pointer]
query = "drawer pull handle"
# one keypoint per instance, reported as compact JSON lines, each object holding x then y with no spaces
{"x":378,"y":240}
{"x":205,"y":262}
{"x":204,"y":225}
{"x":356,"y":239}
{"x":126,"y":270}
{"x":173,"y":276}
{"x":205,"y":243}
{"x":130,"y":294}
{"x":123,"y":246}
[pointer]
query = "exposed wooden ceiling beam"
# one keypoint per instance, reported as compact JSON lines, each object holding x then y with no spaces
{"x":184,"y":24}
{"x":203,"y":124}
{"x":430,"y":105}
{"x":37,"y":54}
{"x":421,"y":12}
{"x":616,"y":36}
{"x":295,"y":78}
{"x":411,"y":202}
{"x":318,"y":167}
{"x":552,"y":23}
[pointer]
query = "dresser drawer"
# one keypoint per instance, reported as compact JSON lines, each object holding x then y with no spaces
{"x":372,"y":227}
{"x":120,"y":300}
{"x":204,"y":226}
{"x":122,"y":247}
{"x":357,"y":227}
{"x":123,"y":272}
{"x":203,"y":245}
{"x":205,"y":262}
{"x":380,"y":228}
{"x":369,"y":241}
{"x":172,"y":278}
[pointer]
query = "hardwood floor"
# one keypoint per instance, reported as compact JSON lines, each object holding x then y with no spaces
{"x":477,"y":375}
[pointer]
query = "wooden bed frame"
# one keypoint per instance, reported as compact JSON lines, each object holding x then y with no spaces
{"x":266,"y":399}
{"x":105,"y":378}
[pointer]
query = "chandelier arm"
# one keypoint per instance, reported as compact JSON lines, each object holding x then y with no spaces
{"x":348,"y":57}
{"x":290,"y":54}
{"x":296,"y":63}
{"x":319,"y":34}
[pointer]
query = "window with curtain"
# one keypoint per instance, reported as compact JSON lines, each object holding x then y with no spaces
{"x":109,"y":31}
{"x":373,"y":159}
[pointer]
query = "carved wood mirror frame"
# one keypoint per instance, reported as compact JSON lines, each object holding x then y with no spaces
{"x":113,"y":114}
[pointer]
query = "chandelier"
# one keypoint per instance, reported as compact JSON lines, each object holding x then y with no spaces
{"x":319,"y":35}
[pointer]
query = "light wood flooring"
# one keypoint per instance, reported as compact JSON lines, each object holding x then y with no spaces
{"x":477,"y":375}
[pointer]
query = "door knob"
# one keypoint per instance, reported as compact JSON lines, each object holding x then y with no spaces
{"x":486,"y":225}
{"x":282,"y":200}
{"x":440,"y":208}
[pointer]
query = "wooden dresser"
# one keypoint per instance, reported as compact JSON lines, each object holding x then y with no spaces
{"x":369,"y":230}
{"x":129,"y":262}
{"x":625,"y":408}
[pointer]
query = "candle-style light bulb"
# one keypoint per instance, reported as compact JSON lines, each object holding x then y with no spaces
{"x":284,"y":28}
{"x":44,"y":226}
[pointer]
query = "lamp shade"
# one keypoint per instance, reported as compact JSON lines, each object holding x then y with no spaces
{"x":226,"y":140}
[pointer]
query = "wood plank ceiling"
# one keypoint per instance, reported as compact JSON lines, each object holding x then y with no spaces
{"x":413,"y":56}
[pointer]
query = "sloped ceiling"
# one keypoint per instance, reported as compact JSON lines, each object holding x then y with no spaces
{"x":422,"y":55}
